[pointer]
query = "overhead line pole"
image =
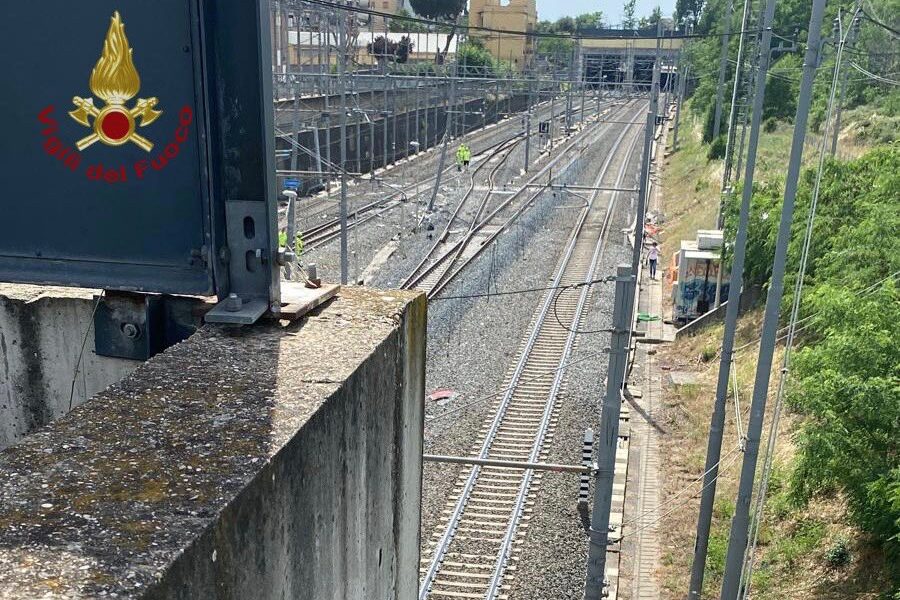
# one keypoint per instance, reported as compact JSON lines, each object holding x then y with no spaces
{"x":737,"y":543}
{"x":342,"y":85}
{"x":446,"y":142}
{"x":682,"y":77}
{"x":608,"y":435}
{"x":717,"y":422}
{"x":723,"y":62}
{"x":854,"y":29}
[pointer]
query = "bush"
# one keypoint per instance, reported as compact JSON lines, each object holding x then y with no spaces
{"x":475,"y":61}
{"x":717,"y":148}
{"x":708,"y":353}
{"x":838,"y":555}
{"x":770,"y":125}
{"x":782,"y":88}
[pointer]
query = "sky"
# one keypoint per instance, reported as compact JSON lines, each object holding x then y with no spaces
{"x":611,"y":9}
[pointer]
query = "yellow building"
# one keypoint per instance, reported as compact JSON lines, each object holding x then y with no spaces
{"x":516,"y":15}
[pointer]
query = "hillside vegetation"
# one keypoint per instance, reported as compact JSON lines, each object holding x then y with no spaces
{"x":831,"y":527}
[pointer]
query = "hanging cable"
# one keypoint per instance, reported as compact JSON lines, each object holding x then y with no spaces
{"x":570,"y":286}
{"x":524,"y":34}
{"x":645,"y":526}
{"x":738,"y":422}
{"x":84,"y":338}
{"x":687,"y":487}
{"x":874,"y":76}
{"x":566,"y":327}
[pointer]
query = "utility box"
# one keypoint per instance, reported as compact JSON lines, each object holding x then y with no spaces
{"x":709,"y":239}
{"x":696,"y":274}
{"x":138,"y":151}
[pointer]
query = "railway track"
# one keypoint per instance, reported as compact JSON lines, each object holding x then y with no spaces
{"x":471,"y":549}
{"x":447,"y":258}
{"x":320,"y":234}
{"x":325,"y":232}
{"x":425,"y":276}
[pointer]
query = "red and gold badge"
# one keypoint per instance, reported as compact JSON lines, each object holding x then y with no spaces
{"x":115,"y":80}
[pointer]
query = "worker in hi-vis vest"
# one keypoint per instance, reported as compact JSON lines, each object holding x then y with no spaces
{"x":463,"y":156}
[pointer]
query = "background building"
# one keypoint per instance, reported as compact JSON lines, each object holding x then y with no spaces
{"x":516,"y":15}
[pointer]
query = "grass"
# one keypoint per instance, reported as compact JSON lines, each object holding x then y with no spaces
{"x":691,"y":186}
{"x":804,"y":552}
{"x":794,"y":542}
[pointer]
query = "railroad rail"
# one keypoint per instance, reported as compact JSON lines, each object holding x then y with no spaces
{"x":329,"y":230}
{"x":425,"y":275}
{"x":323,"y":233}
{"x":473,"y":547}
{"x":446,"y":260}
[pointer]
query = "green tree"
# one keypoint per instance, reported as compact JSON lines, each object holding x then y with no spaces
{"x":688,"y":12}
{"x":846,"y":376}
{"x":564,"y":25}
{"x":651,"y":21}
{"x":403,"y":22}
{"x":782,"y":88}
{"x":475,"y":60}
{"x":628,"y":20}
{"x":848,"y":387}
{"x":589,"y":20}
{"x":444,"y":10}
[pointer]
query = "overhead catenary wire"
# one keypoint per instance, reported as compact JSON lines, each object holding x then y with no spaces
{"x":738,"y":422}
{"x":860,"y":294}
{"x":871,"y":75}
{"x":519,"y":33}
{"x":569,"y":286}
{"x":878,"y":22}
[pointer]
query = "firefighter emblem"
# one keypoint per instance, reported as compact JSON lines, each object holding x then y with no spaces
{"x":115,"y":80}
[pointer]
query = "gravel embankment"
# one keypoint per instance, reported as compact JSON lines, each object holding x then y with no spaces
{"x":552,"y":560}
{"x":473,"y":342}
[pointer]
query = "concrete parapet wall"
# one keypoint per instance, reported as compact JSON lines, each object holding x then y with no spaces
{"x":267,"y":462}
{"x":41,"y":332}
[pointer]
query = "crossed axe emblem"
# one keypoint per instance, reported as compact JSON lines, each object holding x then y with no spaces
{"x":114,"y":124}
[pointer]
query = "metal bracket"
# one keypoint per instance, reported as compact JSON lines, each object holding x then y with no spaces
{"x":253,"y":259}
{"x":138,"y":326}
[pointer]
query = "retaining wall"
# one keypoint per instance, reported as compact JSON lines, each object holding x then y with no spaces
{"x":273,"y":461}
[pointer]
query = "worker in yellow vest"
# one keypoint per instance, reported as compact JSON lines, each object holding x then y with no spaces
{"x":463,"y":156}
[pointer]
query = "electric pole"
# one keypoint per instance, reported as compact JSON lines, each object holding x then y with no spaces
{"x":608,"y":434}
{"x":732,"y":115}
{"x":737,"y":542}
{"x":717,"y":423}
{"x":723,"y":62}
{"x":342,"y":86}
{"x":682,"y":83}
{"x":446,"y":142}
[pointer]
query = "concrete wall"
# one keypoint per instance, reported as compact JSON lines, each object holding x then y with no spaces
{"x":41,"y":331}
{"x":267,"y":462}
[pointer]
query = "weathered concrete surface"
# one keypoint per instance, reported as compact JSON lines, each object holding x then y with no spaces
{"x":41,"y":330}
{"x":267,"y":462}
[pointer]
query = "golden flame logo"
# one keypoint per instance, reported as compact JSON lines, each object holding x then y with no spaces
{"x":115,"y":80}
